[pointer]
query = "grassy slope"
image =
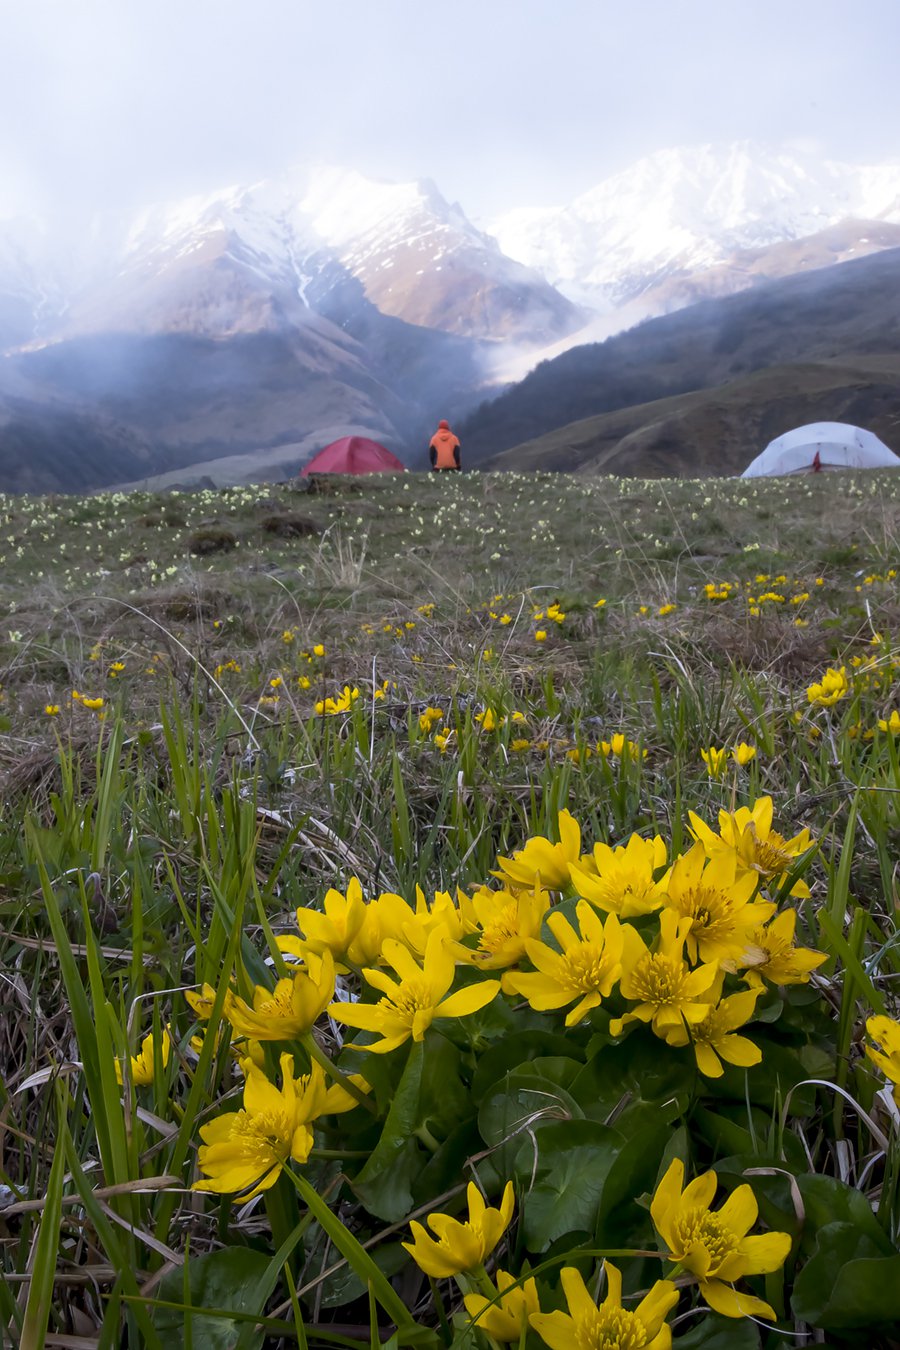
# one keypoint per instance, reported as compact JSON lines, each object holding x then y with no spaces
{"x":721,"y":429}
{"x":192,"y":794}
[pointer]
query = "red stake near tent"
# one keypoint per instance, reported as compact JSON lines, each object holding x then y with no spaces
{"x":353,"y":454}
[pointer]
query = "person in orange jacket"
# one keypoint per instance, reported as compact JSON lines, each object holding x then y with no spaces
{"x":444,"y":449}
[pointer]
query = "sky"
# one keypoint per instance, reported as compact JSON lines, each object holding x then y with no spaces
{"x":113,"y":104}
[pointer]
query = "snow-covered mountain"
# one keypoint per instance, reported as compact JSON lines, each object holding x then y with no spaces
{"x":414,"y":255}
{"x":255,"y":323}
{"x":683,"y":211}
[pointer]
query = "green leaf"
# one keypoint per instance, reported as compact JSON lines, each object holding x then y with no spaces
{"x":225,"y":1281}
{"x":713,"y":1332}
{"x":574,"y":1161}
{"x":385,"y":1183}
{"x":847,"y":1282}
{"x":516,"y":1108}
{"x":43,"y":1265}
{"x":827,"y":1200}
{"x":513,"y":1051}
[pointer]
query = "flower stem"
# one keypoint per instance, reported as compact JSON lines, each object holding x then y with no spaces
{"x":316,"y":1052}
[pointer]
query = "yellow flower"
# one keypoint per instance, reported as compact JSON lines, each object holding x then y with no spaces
{"x":142,"y":1064}
{"x":622,"y":748}
{"x":505,"y":619}
{"x":333,"y":928}
{"x":504,"y":921}
{"x":623,"y":883}
{"x":716,"y":899}
{"x":506,"y":1320}
{"x":461,"y":1246}
{"x":519,"y":743}
{"x":408,"y":1008}
{"x":886,"y":1033}
{"x":246,"y":1150}
{"x":540,"y":635}
{"x":665,"y":609}
{"x":713,"y":1038}
{"x":833,"y":686}
{"x":318,"y":649}
{"x":488,"y":719}
{"x":715,"y":1246}
{"x":608,"y":1326}
{"x":668,"y":993}
{"x":543,"y":861}
{"x":428,"y":718}
{"x":598,"y":604}
{"x":747,"y":833}
{"x":93,"y":703}
{"x":289,"y":1010}
{"x":774,"y":955}
{"x":51,"y":709}
{"x":891,"y":724}
{"x":343,"y":703}
{"x":715,"y":761}
{"x":743,"y":753}
{"x":587,"y":968}
{"x":443,"y":738}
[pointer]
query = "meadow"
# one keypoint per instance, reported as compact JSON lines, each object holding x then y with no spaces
{"x":451,"y":912}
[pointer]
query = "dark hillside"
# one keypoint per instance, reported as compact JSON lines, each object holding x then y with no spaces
{"x":832,"y":314}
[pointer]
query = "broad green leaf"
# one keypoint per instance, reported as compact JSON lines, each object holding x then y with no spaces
{"x":848,"y":1282}
{"x":827,"y":1200}
{"x":511,"y":1052}
{"x":574,"y":1161}
{"x":224,"y":1280}
{"x":385,"y":1183}
{"x":515,"y":1108}
{"x":712,"y":1332}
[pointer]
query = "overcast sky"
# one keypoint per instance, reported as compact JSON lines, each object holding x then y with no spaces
{"x":502,"y":102}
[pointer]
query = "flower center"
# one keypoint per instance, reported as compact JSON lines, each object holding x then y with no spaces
{"x":610,"y":1329}
{"x":585,"y":968}
{"x":279,"y":1005}
{"x":265,"y":1136}
{"x":769,"y":855}
{"x":501,"y":930}
{"x":698,"y":1225}
{"x":658,"y":979}
{"x":410,"y":998}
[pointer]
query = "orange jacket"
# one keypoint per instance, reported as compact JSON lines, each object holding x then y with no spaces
{"x":444,"y":448}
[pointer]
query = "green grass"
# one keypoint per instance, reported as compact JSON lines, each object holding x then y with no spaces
{"x":165,"y":839}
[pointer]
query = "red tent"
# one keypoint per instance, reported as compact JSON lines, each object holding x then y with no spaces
{"x":353,"y":454}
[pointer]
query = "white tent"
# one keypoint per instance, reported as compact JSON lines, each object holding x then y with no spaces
{"x":822,"y":445}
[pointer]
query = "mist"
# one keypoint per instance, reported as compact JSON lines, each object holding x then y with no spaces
{"x":107,"y":106}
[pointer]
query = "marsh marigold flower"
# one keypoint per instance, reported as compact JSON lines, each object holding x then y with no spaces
{"x":714,"y":1038}
{"x":409,"y":1007}
{"x":542,"y":860}
{"x":667,"y":992}
{"x":288,"y":1011}
{"x":461,"y":1245}
{"x":333,"y":928}
{"x":717,"y":900}
{"x":143,"y":1064}
{"x":585,"y":970}
{"x":507,"y":1320}
{"x":246,"y":1150}
{"x":329,"y":707}
{"x":715,"y":1246}
{"x":885,"y":1033}
{"x":832,"y":687}
{"x":773,"y":955}
{"x":504,"y":920}
{"x":716,"y":761}
{"x":748,"y":835}
{"x":622,"y":880}
{"x":743,"y":753}
{"x":607,"y":1326}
